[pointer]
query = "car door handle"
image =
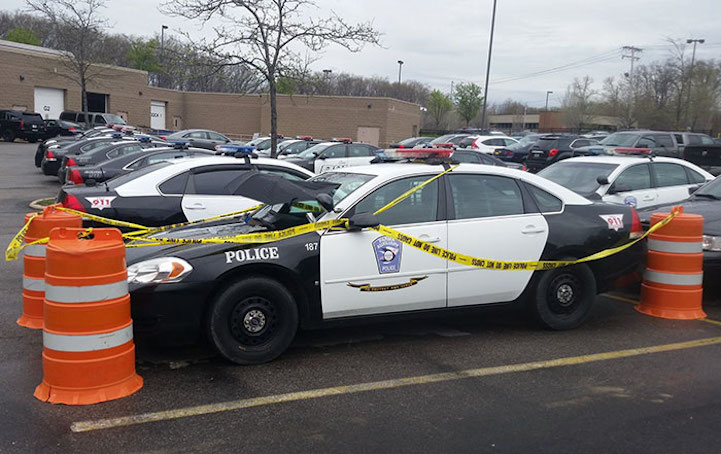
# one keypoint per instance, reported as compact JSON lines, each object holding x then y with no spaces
{"x":195,"y":206}
{"x":429,"y":239}
{"x":647,"y":198}
{"x":532,"y":229}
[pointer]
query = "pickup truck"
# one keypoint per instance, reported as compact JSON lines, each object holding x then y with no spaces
{"x":707,"y":155}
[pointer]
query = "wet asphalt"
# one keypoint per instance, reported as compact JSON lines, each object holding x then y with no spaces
{"x":658,"y":402}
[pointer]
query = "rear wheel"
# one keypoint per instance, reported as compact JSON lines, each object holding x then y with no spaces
{"x":253,"y":321}
{"x":32,"y":140}
{"x":8,"y":135}
{"x":563,"y":297}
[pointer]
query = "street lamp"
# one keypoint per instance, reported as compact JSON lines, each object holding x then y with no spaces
{"x":690,"y":74}
{"x":400,"y":67}
{"x":162,"y":40}
{"x":488,"y":67}
{"x":547,"y":93}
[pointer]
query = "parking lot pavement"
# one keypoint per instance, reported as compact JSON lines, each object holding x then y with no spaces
{"x":486,"y":383}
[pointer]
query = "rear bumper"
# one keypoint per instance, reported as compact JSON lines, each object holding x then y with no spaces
{"x":50,"y":167}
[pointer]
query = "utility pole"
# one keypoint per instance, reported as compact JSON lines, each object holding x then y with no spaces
{"x":162,"y":41}
{"x":632,"y":51}
{"x":400,"y":67}
{"x":488,"y":67}
{"x":690,"y":79}
{"x":547,"y":93}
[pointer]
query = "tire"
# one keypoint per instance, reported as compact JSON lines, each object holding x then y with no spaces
{"x":554,"y":307}
{"x":32,"y":140}
{"x":9,"y":135}
{"x":255,"y":303}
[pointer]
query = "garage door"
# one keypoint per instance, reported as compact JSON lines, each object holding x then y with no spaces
{"x":49,"y":102}
{"x":157,"y":114}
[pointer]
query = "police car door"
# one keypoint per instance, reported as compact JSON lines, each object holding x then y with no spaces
{"x":489,"y":219}
{"x":632,"y":187}
{"x":364,"y":272}
{"x":672,"y":182}
{"x":360,"y":154}
{"x":333,"y":157}
{"x":208,"y":193}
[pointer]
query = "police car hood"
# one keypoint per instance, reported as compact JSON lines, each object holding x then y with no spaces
{"x":221,"y":229}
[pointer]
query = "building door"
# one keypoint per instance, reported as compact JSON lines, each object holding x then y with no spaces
{"x":49,"y":102}
{"x":157,"y":114}
{"x":97,"y":102}
{"x":370,"y":135}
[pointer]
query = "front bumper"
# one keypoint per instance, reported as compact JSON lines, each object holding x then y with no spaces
{"x":170,"y":314}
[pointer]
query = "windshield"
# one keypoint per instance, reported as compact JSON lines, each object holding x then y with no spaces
{"x":258,"y":141}
{"x":620,"y":139}
{"x":443,"y":139}
{"x":124,"y":178}
{"x":315,"y":150}
{"x":579,"y":177}
{"x":712,"y":189}
{"x":410,"y":141}
{"x":348,"y":182}
{"x":114,"y":119}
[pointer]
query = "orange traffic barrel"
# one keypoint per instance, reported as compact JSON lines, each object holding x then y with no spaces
{"x":88,"y":349}
{"x":34,"y":261}
{"x":673,"y":280}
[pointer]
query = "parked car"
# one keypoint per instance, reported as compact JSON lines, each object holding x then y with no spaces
{"x":263,"y":143}
{"x":290,"y":147}
{"x":475,"y":157}
{"x":707,"y":203}
{"x":684,"y":139}
{"x":168,"y":193}
{"x":334,"y":155}
{"x":444,"y":141}
{"x":61,"y":141}
{"x":53,"y":157}
{"x":89,"y":120}
{"x":55,"y":128}
{"x":706,"y":154}
{"x":21,"y":125}
{"x":658,"y":142}
{"x":548,"y":150}
{"x":121,"y":165}
{"x":631,"y":180}
{"x":411,"y":142}
{"x":201,"y":138}
{"x":103,"y":153}
{"x":517,"y":152}
{"x":486,"y":144}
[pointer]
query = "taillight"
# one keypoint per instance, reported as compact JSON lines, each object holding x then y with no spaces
{"x":401,"y":146}
{"x":72,"y":128}
{"x":73,"y":203}
{"x":49,"y":155}
{"x":71,"y":163}
{"x":553,"y":152}
{"x":636,"y":227}
{"x":75,"y":176}
{"x":474,"y":145}
{"x":22,"y":124}
{"x":163,"y":137}
{"x":524,"y":168}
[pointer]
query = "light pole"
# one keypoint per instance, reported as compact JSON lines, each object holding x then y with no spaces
{"x":162,"y":40}
{"x":326,"y":73}
{"x":400,"y":67}
{"x":488,"y":67}
{"x":547,"y":93}
{"x":690,"y":76}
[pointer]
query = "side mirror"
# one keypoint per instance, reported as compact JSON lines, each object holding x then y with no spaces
{"x":602,"y":180}
{"x":91,"y":182}
{"x":620,"y":188}
{"x":326,"y":201}
{"x":362,"y":220}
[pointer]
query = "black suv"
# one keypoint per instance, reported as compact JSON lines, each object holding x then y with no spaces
{"x":24,"y":125}
{"x":548,"y":150}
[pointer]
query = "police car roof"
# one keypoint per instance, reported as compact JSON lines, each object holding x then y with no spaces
{"x":622,"y":159}
{"x":392,"y":170}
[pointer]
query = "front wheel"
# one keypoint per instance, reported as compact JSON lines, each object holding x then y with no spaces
{"x":253,"y":321}
{"x":9,"y":135}
{"x":563,"y":297}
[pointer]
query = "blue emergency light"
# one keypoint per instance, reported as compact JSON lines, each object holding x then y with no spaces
{"x":180,"y":144}
{"x":116,"y":135}
{"x":236,"y":149}
{"x":144,"y":139}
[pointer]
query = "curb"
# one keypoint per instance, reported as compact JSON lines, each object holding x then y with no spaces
{"x":35,"y":204}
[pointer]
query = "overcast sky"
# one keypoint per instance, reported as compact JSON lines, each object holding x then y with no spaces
{"x":445,"y":41}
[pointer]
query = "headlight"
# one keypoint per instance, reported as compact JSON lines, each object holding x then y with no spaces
{"x":159,"y":271}
{"x":54,"y":146}
{"x":711,"y":243}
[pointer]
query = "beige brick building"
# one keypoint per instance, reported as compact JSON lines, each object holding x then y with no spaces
{"x":35,"y":79}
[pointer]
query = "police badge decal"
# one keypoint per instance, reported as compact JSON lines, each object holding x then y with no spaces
{"x":388,"y":254}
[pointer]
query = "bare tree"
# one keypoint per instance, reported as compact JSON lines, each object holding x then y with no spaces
{"x":264,"y":35}
{"x":77,"y":29}
{"x":577,"y":103}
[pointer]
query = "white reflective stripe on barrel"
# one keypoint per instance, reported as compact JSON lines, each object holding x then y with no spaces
{"x":677,"y":247}
{"x":673,"y":278}
{"x":34,"y":250}
{"x":86,"y":293}
{"x":87,"y":342}
{"x":34,"y":284}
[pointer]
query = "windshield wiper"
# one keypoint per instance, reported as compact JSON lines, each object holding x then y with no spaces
{"x":710,"y":196}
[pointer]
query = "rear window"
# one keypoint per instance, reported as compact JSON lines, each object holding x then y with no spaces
{"x":579,"y":177}
{"x":34,"y":117}
{"x":67,"y":116}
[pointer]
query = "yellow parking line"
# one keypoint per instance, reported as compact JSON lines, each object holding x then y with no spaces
{"x":85,"y":426}
{"x":636,"y":302}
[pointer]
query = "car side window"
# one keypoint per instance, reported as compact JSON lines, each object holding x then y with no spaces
{"x":694,"y":140}
{"x":668,"y":174}
{"x":694,"y":177}
{"x":335,"y":151}
{"x":705,"y":140}
{"x":216,"y":136}
{"x":99,"y":120}
{"x":174,"y":185}
{"x":196,"y":135}
{"x":213,"y":182}
{"x":580,"y":143}
{"x":481,"y":196}
{"x":359,"y":151}
{"x":679,"y":138}
{"x":664,"y":140}
{"x":421,"y":206}
{"x":508,"y":141}
{"x":546,"y":202}
{"x":646,"y":142}
{"x":471,"y":157}
{"x":632,"y":179}
{"x":287,"y":174}
{"x":159,"y":157}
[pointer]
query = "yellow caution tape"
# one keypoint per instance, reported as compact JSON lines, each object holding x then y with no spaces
{"x":406,"y":194}
{"x":150,"y":231}
{"x":17,"y":243}
{"x":108,"y":221}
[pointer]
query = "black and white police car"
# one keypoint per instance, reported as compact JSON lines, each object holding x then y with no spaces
{"x":249,"y":299}
{"x":638,"y":181}
{"x":171,"y":192}
{"x":332,"y":155}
